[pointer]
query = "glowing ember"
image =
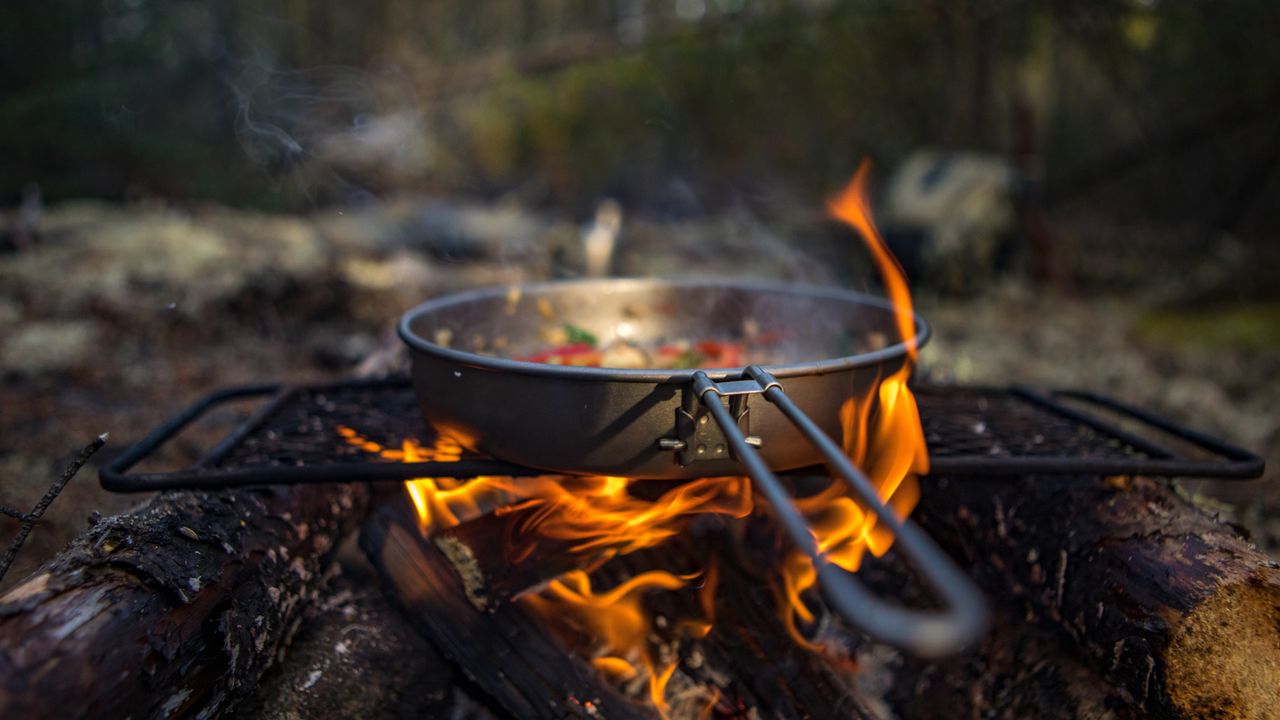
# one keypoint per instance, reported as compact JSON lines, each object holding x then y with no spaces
{"x":597,"y":518}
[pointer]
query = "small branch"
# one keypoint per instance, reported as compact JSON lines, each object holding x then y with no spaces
{"x":30,"y":519}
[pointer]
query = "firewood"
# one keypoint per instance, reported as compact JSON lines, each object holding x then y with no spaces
{"x":1174,"y":608}
{"x":748,"y":658}
{"x":175,"y":608}
{"x":355,"y":656}
{"x":502,"y":649}
{"x":480,"y":552}
{"x":1017,"y":671}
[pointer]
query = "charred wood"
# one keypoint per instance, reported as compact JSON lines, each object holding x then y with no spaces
{"x":499,"y":556}
{"x":749,"y":661}
{"x":1173,"y":608}
{"x":747,"y":666}
{"x":1018,"y":671}
{"x":502,"y":649}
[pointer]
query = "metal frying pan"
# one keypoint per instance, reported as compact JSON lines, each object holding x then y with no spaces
{"x":679,"y":424}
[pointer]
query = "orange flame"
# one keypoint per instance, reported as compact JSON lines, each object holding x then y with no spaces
{"x":882,"y":435}
{"x":599,"y":518}
{"x":851,"y":207}
{"x":616,"y":621}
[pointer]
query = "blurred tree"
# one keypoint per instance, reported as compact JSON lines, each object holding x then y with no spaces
{"x":250,"y":102}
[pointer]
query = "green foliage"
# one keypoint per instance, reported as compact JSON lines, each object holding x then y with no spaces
{"x":119,"y":97}
{"x":790,"y":93}
{"x":1242,"y":327}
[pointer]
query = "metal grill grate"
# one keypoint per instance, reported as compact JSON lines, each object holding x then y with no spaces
{"x":297,"y":437}
{"x":965,"y":422}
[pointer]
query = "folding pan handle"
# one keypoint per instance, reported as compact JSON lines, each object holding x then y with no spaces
{"x":928,"y":633}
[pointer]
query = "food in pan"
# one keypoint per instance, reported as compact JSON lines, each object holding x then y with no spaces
{"x":569,"y":345}
{"x":673,"y":354}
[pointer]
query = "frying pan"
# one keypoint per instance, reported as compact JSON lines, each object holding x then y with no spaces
{"x":680,"y":424}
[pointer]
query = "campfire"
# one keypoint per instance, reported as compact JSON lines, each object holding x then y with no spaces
{"x":586,"y":522}
{"x":713,"y":568}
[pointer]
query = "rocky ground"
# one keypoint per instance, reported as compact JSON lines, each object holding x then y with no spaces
{"x":114,"y":317}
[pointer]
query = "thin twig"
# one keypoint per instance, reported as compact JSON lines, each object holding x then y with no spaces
{"x":30,"y":519}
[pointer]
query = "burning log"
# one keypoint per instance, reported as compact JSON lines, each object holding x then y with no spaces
{"x":175,"y":608}
{"x":497,"y":556}
{"x":502,"y":649}
{"x":355,"y":657}
{"x":748,"y":660}
{"x":459,"y":585}
{"x":1172,"y":607}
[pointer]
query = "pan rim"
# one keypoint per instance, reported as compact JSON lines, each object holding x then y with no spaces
{"x":649,"y":375}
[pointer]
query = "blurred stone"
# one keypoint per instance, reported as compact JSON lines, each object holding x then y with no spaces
{"x":334,"y":351}
{"x":600,"y":238}
{"x":949,"y":217}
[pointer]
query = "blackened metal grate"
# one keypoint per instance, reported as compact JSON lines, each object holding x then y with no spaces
{"x":298,"y":436}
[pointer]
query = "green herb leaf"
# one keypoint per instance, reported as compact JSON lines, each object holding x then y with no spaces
{"x":688,"y":360}
{"x":577,"y":335}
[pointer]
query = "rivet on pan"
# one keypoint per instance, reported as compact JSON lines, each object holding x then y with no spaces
{"x":702,"y":449}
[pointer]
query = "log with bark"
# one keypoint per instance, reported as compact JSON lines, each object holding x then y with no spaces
{"x":1174,"y":608}
{"x":1018,"y":670}
{"x":175,"y":608}
{"x":355,"y":656}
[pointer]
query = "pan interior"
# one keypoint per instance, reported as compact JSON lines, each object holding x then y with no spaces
{"x":787,"y":324}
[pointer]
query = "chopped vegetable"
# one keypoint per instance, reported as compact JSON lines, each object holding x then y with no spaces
{"x":570,"y":344}
{"x":576,"y":334}
{"x":687,"y":360}
{"x":573,"y":354}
